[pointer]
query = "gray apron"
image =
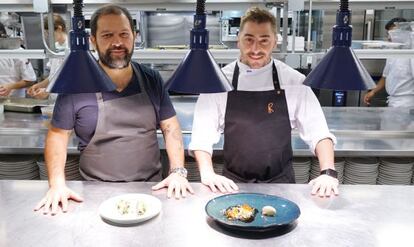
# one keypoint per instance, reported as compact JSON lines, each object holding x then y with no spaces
{"x":124,"y":146}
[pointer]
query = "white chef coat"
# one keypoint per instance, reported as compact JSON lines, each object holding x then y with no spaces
{"x":61,"y":47}
{"x":305,"y":112}
{"x":399,"y":82}
{"x":13,"y":70}
{"x":54,"y":65}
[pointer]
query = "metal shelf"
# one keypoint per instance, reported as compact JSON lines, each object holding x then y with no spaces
{"x":189,"y":5}
{"x":221,"y":56}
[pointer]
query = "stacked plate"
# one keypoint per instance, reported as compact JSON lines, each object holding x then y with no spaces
{"x":301,"y":166}
{"x":71,"y":168}
{"x":395,"y":171}
{"x":339,"y":167}
{"x":361,"y":171}
{"x":193,"y":172}
{"x":18,"y":167}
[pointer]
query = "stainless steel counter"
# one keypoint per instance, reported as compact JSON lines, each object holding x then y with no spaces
{"x":361,"y":131}
{"x":362,"y":215}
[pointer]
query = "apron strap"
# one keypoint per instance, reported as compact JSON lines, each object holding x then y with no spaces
{"x":235,"y":80}
{"x":275,"y":77}
{"x":140,"y":77}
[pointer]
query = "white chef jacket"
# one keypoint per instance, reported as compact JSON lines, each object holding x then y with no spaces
{"x":54,"y":65}
{"x":399,"y":82}
{"x":305,"y":112}
{"x":13,"y":70}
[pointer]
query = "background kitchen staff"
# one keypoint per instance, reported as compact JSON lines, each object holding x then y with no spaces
{"x":117,"y":130}
{"x":269,"y":100}
{"x":38,"y":90}
{"x":15,"y":74}
{"x":398,"y":76}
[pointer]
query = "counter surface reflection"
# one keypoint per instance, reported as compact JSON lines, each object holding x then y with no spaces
{"x":361,"y":215}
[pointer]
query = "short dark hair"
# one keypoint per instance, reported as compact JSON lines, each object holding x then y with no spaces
{"x":109,"y":9}
{"x":259,"y":16}
{"x":391,"y":23}
{"x":3,"y":32}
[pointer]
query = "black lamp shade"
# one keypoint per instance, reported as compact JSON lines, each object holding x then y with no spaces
{"x":340,"y":69}
{"x":80,"y":73}
{"x":198,"y":72}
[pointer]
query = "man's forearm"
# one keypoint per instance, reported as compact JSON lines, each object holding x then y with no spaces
{"x":55,"y":157}
{"x":380,"y":85}
{"x":44,"y":83}
{"x":20,"y":84}
{"x":173,"y":142}
{"x":325,"y":152}
{"x":204,"y":161}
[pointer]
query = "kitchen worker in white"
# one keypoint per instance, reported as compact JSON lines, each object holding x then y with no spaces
{"x":15,"y":74}
{"x":268,"y":100}
{"x":38,"y":90}
{"x":398,"y":74}
{"x":117,"y":130}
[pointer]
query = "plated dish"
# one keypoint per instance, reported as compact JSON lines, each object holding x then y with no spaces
{"x":271,"y":211}
{"x":130,"y":208}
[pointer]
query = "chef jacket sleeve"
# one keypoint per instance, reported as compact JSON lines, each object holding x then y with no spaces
{"x":208,"y":122}
{"x":25,"y":70}
{"x":386,"y":69}
{"x":55,"y":64}
{"x":310,"y":120}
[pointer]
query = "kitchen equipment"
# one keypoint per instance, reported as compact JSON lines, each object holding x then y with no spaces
{"x":23,"y":104}
{"x":10,"y":43}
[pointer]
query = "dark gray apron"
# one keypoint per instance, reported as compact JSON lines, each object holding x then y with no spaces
{"x":124,"y":146}
{"x":257,"y":135}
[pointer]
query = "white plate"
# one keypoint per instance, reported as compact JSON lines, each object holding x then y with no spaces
{"x":108,"y":209}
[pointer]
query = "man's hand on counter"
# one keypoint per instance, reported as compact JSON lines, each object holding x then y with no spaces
{"x":215,"y":181}
{"x":58,"y":195}
{"x":324,"y":185}
{"x":176,"y":184}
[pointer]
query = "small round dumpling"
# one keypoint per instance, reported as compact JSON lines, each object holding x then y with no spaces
{"x":268,"y":211}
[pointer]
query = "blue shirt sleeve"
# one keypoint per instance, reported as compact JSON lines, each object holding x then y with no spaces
{"x":63,"y":113}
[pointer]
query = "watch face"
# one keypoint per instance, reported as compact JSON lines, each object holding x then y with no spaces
{"x":330,"y":172}
{"x":180,"y":171}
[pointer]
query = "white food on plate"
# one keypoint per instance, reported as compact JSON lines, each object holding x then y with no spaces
{"x":129,"y":207}
{"x":268,"y":211}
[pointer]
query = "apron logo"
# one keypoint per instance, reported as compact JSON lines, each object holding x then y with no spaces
{"x":270,"y":109}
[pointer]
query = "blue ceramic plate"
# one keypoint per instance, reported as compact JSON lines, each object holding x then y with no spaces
{"x":286,"y":211}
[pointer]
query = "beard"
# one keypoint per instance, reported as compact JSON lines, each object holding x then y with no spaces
{"x":118,"y":62}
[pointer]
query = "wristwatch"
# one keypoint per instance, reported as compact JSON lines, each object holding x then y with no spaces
{"x":330,"y":172}
{"x":180,"y":171}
